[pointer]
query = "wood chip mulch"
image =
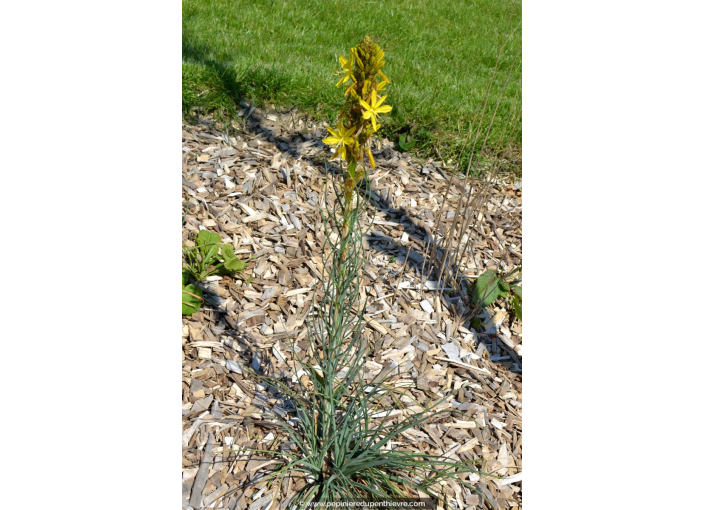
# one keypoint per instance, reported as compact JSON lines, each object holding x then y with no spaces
{"x":258,"y":188}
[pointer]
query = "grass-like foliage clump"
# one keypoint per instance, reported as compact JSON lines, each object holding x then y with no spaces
{"x":344,"y":448}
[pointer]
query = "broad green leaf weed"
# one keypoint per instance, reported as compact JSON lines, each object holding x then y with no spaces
{"x":208,"y":257}
{"x":491,"y":286}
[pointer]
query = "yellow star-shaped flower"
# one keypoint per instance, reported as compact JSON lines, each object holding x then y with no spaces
{"x":374,"y":109}
{"x":340,"y":138}
{"x":348,"y":70}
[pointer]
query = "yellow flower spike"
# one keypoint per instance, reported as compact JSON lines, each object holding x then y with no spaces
{"x":340,"y":138}
{"x":359,"y":119}
{"x":374,"y":109}
{"x":371,"y":158}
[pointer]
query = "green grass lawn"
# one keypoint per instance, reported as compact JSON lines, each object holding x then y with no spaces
{"x":440,"y":58}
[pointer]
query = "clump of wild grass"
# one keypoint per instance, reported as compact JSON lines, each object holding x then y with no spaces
{"x":478,"y":168}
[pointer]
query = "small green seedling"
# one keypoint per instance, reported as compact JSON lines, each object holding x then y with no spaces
{"x":490,"y":286}
{"x":208,"y":257}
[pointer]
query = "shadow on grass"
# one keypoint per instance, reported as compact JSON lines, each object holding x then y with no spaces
{"x":225,"y":77}
{"x":225,"y":89}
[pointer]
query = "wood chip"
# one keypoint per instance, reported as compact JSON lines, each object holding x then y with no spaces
{"x":426,"y":306}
